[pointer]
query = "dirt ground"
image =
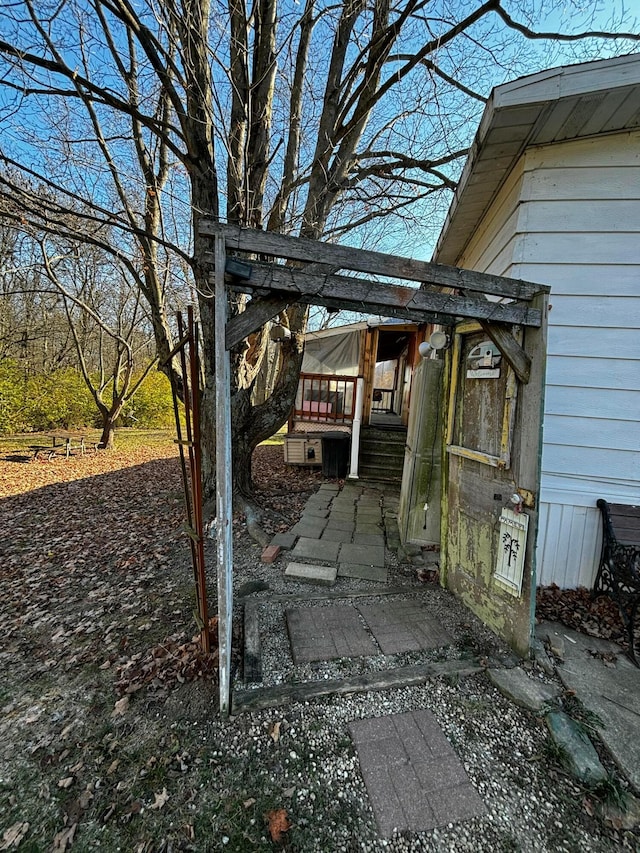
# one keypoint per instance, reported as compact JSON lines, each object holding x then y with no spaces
{"x":109,"y":735}
{"x":97,"y":607}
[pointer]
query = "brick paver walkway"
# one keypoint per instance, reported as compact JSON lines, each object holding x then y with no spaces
{"x":326,"y":633}
{"x":414,"y":779}
{"x":404,"y":626}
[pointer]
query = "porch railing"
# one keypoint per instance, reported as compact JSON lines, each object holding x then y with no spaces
{"x":325,"y":399}
{"x":382,"y":400}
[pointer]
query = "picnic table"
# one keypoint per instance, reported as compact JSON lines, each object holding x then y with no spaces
{"x":68,"y":440}
{"x":64,"y":441}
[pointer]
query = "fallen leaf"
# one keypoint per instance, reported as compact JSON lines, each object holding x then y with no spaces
{"x":121,"y":706}
{"x":278,"y":823}
{"x":274,"y":731}
{"x":66,"y":783}
{"x":160,"y":799}
{"x":13,"y":836}
{"x":113,"y":766}
{"x":250,"y":802}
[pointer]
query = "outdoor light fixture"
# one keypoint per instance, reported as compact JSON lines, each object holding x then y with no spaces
{"x":237,"y":269}
{"x":437,"y":341}
{"x":279,"y":333}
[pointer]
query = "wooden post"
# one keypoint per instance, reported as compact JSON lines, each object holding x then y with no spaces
{"x":224,"y":518}
{"x":355,"y":429}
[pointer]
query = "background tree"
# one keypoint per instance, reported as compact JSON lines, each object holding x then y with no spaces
{"x":325,"y":120}
{"x":107,"y":324}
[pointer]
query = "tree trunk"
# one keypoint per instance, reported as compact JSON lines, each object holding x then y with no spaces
{"x":108,"y":431}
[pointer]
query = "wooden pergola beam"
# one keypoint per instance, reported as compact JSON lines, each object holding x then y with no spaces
{"x":259,"y":311}
{"x":260,"y":242}
{"x":510,"y":349}
{"x":372,"y":297}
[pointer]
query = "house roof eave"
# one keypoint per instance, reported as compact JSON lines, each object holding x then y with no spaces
{"x":556,"y":105}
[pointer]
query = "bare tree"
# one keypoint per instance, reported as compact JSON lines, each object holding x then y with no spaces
{"x":105,"y":316}
{"x":313,"y":118}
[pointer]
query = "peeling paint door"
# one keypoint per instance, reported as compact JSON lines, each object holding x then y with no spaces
{"x":492,"y":477}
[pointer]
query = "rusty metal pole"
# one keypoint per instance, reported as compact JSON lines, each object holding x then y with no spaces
{"x":224,"y":517}
{"x":196,"y":481}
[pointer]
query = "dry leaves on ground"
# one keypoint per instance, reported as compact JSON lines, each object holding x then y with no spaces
{"x":278,"y":823}
{"x":575,"y":608}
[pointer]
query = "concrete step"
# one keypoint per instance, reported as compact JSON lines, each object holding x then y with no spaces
{"x":379,"y":472}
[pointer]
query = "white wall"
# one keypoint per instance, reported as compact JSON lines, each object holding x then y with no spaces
{"x":569,"y":216}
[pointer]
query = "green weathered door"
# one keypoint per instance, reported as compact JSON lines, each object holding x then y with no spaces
{"x":493,"y":448}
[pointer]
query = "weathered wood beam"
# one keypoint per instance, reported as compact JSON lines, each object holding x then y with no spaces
{"x":362,"y":260}
{"x":372,"y":297}
{"x":404,"y":676}
{"x":510,"y":349}
{"x":259,"y":311}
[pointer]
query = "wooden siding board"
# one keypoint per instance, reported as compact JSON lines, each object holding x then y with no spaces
{"x":617,"y":183}
{"x":499,"y":236}
{"x":595,"y":341}
{"x":597,"y":431}
{"x":585,"y":491}
{"x":581,"y":248}
{"x":500,"y":223}
{"x":614,"y":312}
{"x":619,"y":404}
{"x":593,"y":373}
{"x":570,"y":550}
{"x":575,"y":197}
{"x":582,"y":279}
{"x":611,"y":463}
{"x":619,"y":149}
{"x":574,"y":216}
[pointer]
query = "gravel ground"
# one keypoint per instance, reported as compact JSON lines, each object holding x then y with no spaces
{"x":532,"y":804}
{"x":88,"y":763}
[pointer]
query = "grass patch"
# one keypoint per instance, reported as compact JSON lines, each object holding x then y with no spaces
{"x":277,"y":439}
{"x":125,"y":439}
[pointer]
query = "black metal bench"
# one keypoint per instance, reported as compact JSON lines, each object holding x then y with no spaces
{"x":619,"y":569}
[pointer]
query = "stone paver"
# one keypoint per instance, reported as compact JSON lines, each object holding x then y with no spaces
{"x":589,"y":674}
{"x":364,"y":527}
{"x":342,"y":515}
{"x":284,"y":540}
{"x":326,"y":633}
{"x":369,"y":516}
{"x":404,"y":626}
{"x":334,"y":535}
{"x":579,"y":752}
{"x":334,"y":488}
{"x":414,"y":779}
{"x":527,"y":692}
{"x":368,"y":573}
{"x":323,"y":575}
{"x":316,"y":549}
{"x":314,"y":512}
{"x":341,"y":524}
{"x":362,"y":555}
{"x":368,"y":539}
{"x":311,"y":528}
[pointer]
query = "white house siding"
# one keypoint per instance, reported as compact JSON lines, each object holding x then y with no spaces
{"x":576,"y":226}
